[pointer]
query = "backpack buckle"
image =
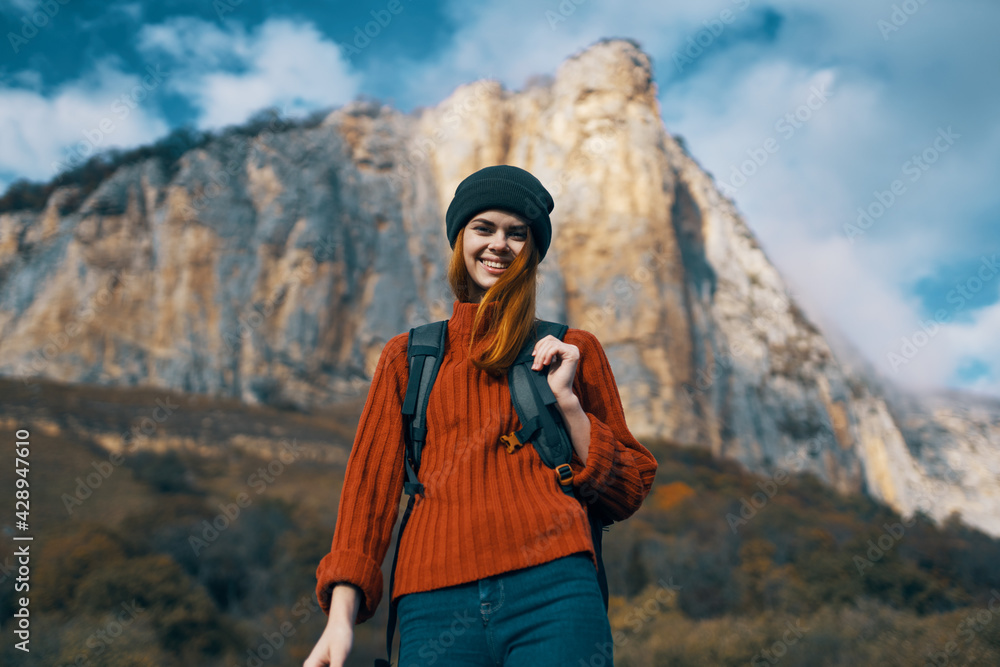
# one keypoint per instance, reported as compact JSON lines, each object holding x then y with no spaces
{"x":564,"y":473}
{"x":511,"y":442}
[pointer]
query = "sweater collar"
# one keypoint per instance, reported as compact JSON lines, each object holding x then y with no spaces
{"x":463,"y":314}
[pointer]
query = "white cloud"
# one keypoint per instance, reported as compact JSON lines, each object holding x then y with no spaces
{"x":512,"y":40}
{"x":107,"y":107}
{"x":27,"y":78}
{"x":228,"y":74}
{"x":840,"y":290}
{"x":194,"y":43}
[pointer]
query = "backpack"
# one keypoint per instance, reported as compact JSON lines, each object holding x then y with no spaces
{"x":541,"y":425}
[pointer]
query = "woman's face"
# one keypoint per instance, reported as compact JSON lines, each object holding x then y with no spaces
{"x":491,"y":236}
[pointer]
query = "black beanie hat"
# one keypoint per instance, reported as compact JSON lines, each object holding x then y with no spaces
{"x":508,"y":189}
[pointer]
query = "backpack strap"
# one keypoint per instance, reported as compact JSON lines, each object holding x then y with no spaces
{"x":424,"y":349}
{"x":541,"y":422}
{"x":542,"y":425}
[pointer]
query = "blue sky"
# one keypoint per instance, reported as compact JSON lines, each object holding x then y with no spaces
{"x":859,"y":138}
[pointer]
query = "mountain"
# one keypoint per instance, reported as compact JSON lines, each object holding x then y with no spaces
{"x":272,"y":266}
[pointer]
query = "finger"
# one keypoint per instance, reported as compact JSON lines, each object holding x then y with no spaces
{"x":550,"y":353}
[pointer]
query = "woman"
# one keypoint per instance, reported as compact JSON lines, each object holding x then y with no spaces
{"x":496,"y":565}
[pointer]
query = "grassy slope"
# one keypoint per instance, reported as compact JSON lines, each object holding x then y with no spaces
{"x":793,"y":561}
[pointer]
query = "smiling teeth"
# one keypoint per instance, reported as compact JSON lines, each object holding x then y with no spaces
{"x":494,"y":265}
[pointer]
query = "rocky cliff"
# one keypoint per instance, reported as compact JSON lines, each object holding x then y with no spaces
{"x":274,"y":267}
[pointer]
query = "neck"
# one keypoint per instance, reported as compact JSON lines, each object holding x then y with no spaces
{"x":464,"y":312}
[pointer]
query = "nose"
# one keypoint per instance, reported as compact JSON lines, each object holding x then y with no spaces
{"x":498,"y":243}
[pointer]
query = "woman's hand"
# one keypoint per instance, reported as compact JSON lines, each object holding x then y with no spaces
{"x":563,"y":358}
{"x":333,"y":646}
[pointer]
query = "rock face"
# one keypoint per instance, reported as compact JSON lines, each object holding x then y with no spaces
{"x":274,"y":267}
{"x":951,"y":462}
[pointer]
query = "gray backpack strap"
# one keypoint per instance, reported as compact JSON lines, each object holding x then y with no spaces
{"x":541,"y":423}
{"x":424,"y":348}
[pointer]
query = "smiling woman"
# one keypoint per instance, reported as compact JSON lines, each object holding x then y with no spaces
{"x":495,"y":259}
{"x":501,"y":536}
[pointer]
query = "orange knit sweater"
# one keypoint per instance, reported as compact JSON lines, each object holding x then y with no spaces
{"x":484,"y":511}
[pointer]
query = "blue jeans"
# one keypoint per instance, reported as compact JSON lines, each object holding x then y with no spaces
{"x":550,"y":614}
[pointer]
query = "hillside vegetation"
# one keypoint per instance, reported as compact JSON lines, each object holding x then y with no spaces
{"x":181,"y":558}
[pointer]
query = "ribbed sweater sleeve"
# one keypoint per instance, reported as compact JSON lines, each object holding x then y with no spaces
{"x":369,"y":501}
{"x":619,"y":471}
